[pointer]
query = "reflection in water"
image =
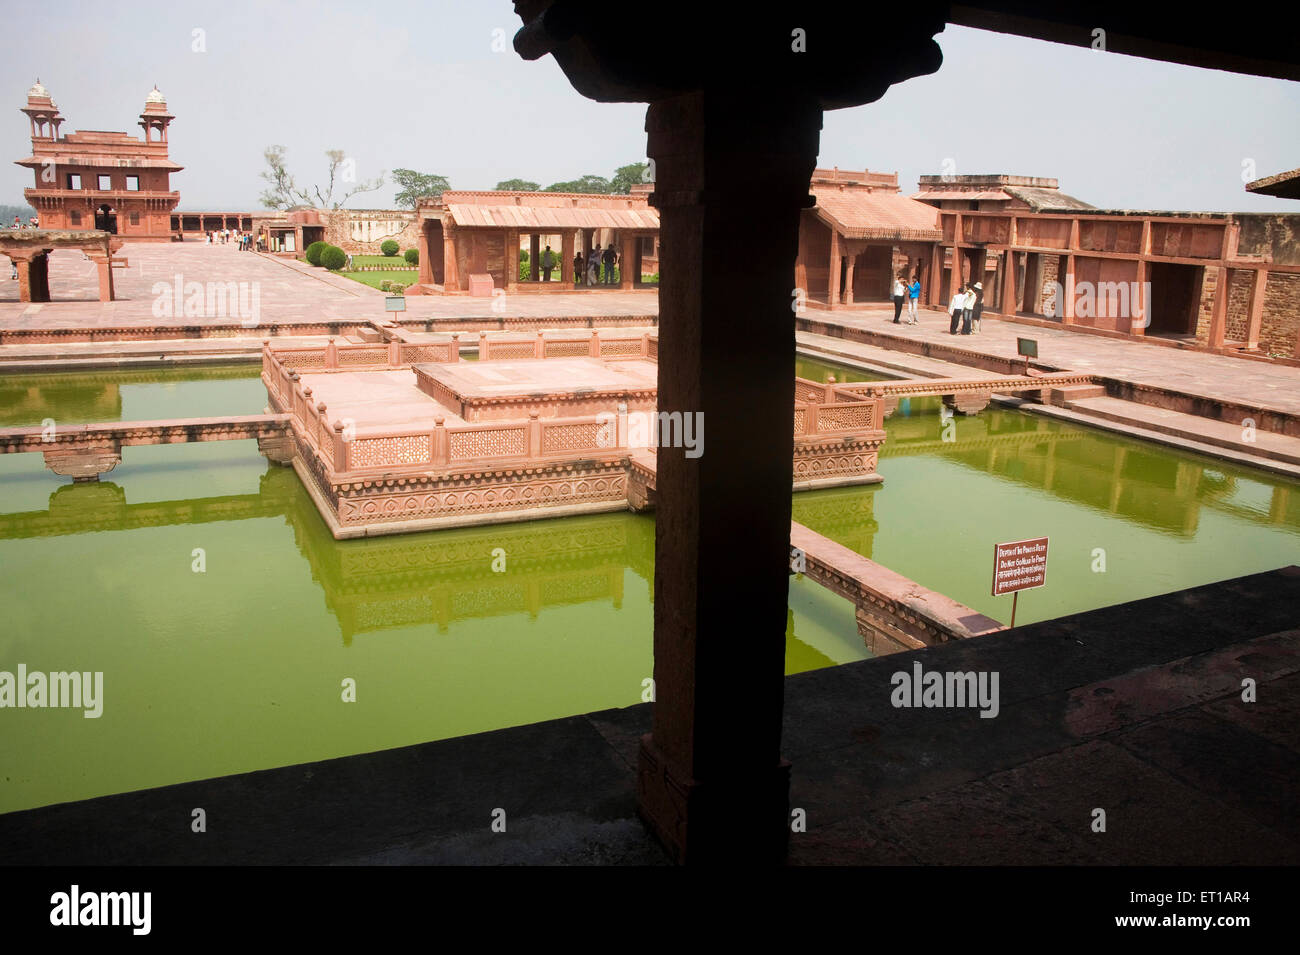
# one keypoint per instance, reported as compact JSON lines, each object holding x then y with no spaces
{"x":238,"y":667}
{"x":1127,"y":519}
{"x":131,"y":395}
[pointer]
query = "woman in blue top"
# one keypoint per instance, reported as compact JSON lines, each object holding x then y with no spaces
{"x":913,"y":294}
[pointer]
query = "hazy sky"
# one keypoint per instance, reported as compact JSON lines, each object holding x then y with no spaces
{"x":417,"y":85}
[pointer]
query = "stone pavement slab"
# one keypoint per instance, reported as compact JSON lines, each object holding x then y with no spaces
{"x":1221,"y":377}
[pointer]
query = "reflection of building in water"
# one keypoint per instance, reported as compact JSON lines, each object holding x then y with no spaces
{"x":842,"y":514}
{"x":1150,"y":486}
{"x":409,"y":580}
{"x":26,"y":400}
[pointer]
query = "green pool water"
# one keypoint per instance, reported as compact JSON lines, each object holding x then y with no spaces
{"x":241,"y":667}
{"x":1126,"y":519}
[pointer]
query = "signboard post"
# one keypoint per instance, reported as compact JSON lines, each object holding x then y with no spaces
{"x":1028,"y":348}
{"x":1017,"y":566}
{"x":395,"y":303}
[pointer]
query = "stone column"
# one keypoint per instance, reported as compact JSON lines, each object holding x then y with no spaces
{"x":711,"y":781}
{"x":566,"y":257}
{"x":422,"y":247}
{"x":627,"y":262}
{"x":512,"y":259}
{"x":450,"y":270}
{"x":833,"y":278}
{"x":534,"y":258}
{"x":848,"y":279}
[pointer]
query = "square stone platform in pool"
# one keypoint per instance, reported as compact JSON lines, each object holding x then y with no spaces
{"x":550,"y":387}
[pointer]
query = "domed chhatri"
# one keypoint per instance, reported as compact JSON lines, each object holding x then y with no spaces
{"x":38,"y":90}
{"x":155,"y":96}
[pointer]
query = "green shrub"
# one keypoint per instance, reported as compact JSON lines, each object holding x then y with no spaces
{"x":412,"y":256}
{"x":389,"y":247}
{"x":333,"y":258}
{"x":397,"y":288}
{"x":312,"y":255}
{"x":386,"y":285}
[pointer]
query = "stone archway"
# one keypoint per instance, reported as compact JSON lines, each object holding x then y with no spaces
{"x":106,"y":219}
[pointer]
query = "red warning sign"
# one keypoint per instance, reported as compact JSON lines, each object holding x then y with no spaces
{"x":1019,"y":565}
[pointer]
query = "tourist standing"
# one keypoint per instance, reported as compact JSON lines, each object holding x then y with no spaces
{"x":577,"y":268}
{"x":610,"y":258}
{"x":913,"y":296}
{"x":548,"y":264}
{"x":978,"y":308}
{"x":968,"y":305}
{"x":593,"y":267}
{"x":954,"y":309}
{"x":899,"y":294}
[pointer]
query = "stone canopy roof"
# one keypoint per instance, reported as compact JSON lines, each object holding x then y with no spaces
{"x":874,"y":214}
{"x":1285,"y":185}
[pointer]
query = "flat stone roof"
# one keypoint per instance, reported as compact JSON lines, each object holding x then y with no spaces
{"x":378,"y":400}
{"x":566,"y":377}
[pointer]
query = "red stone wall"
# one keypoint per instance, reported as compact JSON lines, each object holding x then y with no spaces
{"x":1280,"y":326}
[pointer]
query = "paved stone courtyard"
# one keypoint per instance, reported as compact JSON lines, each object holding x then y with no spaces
{"x":288,"y":292}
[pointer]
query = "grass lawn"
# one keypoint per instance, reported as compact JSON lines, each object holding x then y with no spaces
{"x":396,"y":261}
{"x":374,"y":278}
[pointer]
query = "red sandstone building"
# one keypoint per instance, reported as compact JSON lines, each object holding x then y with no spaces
{"x":101,"y":180}
{"x":472,"y":240}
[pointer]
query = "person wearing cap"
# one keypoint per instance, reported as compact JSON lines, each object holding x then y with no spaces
{"x":978,"y":307}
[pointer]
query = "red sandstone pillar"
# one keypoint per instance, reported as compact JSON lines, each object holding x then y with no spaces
{"x":450,"y":268}
{"x":534,"y":258}
{"x":1219,"y":314}
{"x":627,"y":263}
{"x":1008,"y":304}
{"x":1139,"y":316}
{"x":566,"y":257}
{"x":1066,"y":281}
{"x":934,"y":287}
{"x":848,"y":279}
{"x":711,"y":780}
{"x":833,"y":279}
{"x":422,"y":246}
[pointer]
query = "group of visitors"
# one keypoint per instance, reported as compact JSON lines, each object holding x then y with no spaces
{"x":243,"y":240}
{"x":965,"y":308}
{"x":31,"y":223}
{"x":591,"y":266}
{"x":909,"y":291}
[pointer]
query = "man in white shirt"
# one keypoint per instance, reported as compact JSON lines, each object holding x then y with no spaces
{"x":954,"y":309}
{"x":967,"y":304}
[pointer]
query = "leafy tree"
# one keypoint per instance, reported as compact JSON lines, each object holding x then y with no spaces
{"x":517,"y":185}
{"x":415,"y":185}
{"x":627,"y":176}
{"x":587,"y":183}
{"x":284,"y":192}
{"x":389,"y":247}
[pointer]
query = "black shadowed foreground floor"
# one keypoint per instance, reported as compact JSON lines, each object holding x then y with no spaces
{"x":1136,"y":711}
